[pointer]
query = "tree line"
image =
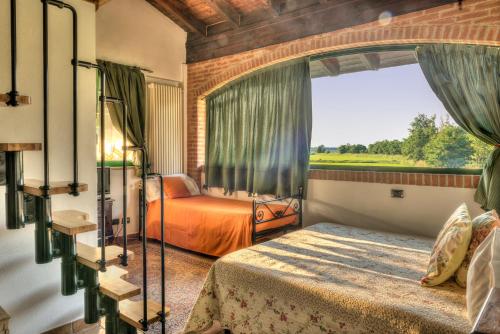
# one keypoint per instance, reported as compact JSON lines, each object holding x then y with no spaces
{"x":446,"y":145}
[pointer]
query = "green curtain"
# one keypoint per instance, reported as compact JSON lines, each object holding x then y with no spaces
{"x":466,"y":80}
{"x":259,"y":132}
{"x":128,"y":84}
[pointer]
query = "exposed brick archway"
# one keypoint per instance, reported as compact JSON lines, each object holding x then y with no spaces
{"x":478,"y":22}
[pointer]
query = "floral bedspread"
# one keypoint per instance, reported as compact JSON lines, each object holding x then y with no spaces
{"x":329,"y":278}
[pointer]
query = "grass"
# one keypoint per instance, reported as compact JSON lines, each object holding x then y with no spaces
{"x":362,"y":159}
{"x":380,"y":162}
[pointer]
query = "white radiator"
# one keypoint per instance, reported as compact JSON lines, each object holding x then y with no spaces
{"x":165,"y":128}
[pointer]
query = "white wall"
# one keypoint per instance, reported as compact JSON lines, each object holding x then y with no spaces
{"x":133,"y":32}
{"x":31,"y":292}
{"x":116,"y":193}
{"x":422,"y":211}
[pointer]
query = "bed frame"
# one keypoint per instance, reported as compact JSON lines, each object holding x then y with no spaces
{"x":260,"y":208}
{"x":293,"y":202}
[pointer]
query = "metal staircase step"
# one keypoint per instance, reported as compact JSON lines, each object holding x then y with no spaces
{"x":21,"y":100}
{"x":33,"y":187}
{"x":17,"y":147}
{"x":117,"y":288}
{"x":132,"y":312}
{"x":73,"y":226}
{"x":89,"y":255}
{"x":113,"y":272}
{"x":70,"y":214}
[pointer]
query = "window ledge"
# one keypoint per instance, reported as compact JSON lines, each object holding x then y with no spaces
{"x":407,"y":177}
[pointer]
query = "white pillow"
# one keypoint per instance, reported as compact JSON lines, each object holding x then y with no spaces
{"x":153,"y":187}
{"x":192,"y":186}
{"x":484,"y":273}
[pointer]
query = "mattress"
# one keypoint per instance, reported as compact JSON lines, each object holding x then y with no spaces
{"x":209,"y":225}
{"x":329,"y":278}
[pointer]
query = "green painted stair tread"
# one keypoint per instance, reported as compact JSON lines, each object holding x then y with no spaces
{"x":89,"y":255}
{"x":18,"y":147}
{"x":132,"y":312}
{"x":117,"y":288}
{"x":33,"y":187}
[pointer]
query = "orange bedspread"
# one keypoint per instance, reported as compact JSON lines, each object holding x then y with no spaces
{"x":205,"y":224}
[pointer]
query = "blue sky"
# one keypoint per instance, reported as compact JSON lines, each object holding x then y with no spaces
{"x":363,"y":107}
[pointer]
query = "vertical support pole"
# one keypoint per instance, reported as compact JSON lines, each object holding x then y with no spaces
{"x":56,"y":244}
{"x":45,"y":43}
{"x":124,"y":260}
{"x":90,"y":281}
{"x":144,"y":320}
{"x":13,"y":54}
{"x":13,"y":197}
{"x":162,"y":226}
{"x":300,"y":199}
{"x":112,"y":314}
{"x":43,"y":242}
{"x":102,"y":262}
{"x":68,"y":265}
{"x":254,"y":222}
{"x":74,"y":185}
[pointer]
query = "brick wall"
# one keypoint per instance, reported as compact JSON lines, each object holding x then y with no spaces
{"x":417,"y":179}
{"x":478,"y":22}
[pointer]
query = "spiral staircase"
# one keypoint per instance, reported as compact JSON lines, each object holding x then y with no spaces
{"x":97,"y":270}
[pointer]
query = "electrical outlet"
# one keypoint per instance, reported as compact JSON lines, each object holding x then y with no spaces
{"x":117,"y":221}
{"x":397,"y":193}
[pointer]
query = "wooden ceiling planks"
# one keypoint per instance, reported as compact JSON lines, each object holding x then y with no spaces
{"x":218,"y":28}
{"x":225,"y":10}
{"x":181,"y":15}
{"x":297,"y":19}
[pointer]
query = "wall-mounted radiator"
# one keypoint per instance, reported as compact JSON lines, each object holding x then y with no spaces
{"x":166,"y":128}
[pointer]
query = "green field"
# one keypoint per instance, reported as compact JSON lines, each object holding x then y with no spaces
{"x":362,"y":159}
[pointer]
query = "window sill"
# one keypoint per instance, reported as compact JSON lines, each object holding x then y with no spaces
{"x":404,"y":176}
{"x":115,"y":164}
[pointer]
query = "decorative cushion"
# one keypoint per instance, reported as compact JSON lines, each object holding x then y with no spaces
{"x":481,"y":228}
{"x":153,"y":187}
{"x":152,"y":190}
{"x":175,"y":187}
{"x":483,"y":274}
{"x":191,"y":185}
{"x":450,"y":248}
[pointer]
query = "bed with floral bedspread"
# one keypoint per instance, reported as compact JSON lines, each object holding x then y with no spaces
{"x":329,"y":278}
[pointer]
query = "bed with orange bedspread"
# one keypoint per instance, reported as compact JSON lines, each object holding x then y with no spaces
{"x":218,"y":226}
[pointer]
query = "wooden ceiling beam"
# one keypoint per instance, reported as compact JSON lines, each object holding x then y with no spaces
{"x":293,"y":19}
{"x":332,"y":66}
{"x":275,"y":5}
{"x":180,"y":16}
{"x":224,"y":9}
{"x":370,"y":60}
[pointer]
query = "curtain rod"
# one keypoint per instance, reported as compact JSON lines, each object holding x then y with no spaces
{"x":133,"y":66}
{"x":153,"y":79}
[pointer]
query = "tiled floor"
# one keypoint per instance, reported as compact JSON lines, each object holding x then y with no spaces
{"x":185,"y":275}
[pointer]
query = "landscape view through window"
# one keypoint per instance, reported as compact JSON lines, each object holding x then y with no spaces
{"x":387,"y":118}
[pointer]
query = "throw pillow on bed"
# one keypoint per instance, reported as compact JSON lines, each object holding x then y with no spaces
{"x":484,"y":273}
{"x":450,"y":248}
{"x":192,"y":186}
{"x":481,"y":228}
{"x":175,"y":187}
